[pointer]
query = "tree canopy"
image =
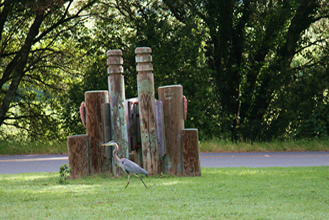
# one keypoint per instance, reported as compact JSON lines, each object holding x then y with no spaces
{"x":36,"y":62}
{"x":251,"y":69}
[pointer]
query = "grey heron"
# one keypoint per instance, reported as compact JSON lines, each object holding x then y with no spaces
{"x":127,"y":165}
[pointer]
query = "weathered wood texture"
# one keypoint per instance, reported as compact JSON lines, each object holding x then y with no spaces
{"x":106,"y":123}
{"x":134,"y":134}
{"x":145,"y":85}
{"x":133,"y":156}
{"x":160,"y":127}
{"x":172,"y":99}
{"x":117,"y":102}
{"x":78,"y":152}
{"x":95,"y":130}
{"x":191,"y":152}
{"x":185,"y":107}
{"x":83,"y":113}
{"x":133,"y":123}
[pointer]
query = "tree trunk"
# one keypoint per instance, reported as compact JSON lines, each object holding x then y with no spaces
{"x":19,"y":65}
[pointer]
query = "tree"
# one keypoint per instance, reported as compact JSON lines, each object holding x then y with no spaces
{"x":240,"y":62}
{"x":33,"y":60}
{"x":251,"y":69}
{"x":250,"y":51}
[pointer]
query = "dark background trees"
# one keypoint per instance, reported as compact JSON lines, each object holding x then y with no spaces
{"x":251,"y":70}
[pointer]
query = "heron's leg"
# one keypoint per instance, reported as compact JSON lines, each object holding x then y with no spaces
{"x":128,"y":181}
{"x":140,"y":179}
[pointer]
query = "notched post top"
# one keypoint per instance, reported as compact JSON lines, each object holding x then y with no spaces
{"x":114,"y":52}
{"x":115,"y":62}
{"x":144,"y":59}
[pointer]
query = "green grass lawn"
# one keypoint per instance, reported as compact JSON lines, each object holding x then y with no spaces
{"x":216,"y":145}
{"x":16,"y":147}
{"x":220,"y":193}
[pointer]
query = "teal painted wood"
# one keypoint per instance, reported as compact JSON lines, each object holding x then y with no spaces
{"x":148,"y":127}
{"x":160,"y":127}
{"x":117,"y":102}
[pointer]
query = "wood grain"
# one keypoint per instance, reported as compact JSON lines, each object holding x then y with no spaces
{"x":172,"y":99}
{"x":117,"y":102}
{"x":107,"y":133}
{"x":148,"y":127}
{"x":94,"y":101}
{"x":78,"y":155}
{"x":191,"y":152}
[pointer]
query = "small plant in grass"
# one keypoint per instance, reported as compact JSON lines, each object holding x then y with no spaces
{"x":64,"y":172}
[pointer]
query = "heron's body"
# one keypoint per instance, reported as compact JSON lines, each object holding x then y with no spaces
{"x":127,"y":165}
{"x":131,"y":167}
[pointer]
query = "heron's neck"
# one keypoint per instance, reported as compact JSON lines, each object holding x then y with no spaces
{"x":117,"y":159}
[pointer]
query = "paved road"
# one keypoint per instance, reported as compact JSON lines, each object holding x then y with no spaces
{"x":51,"y":163}
{"x":265,"y":159}
{"x":31,"y":163}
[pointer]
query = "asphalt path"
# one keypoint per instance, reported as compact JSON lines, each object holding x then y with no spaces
{"x":265,"y":159}
{"x":31,"y":163}
{"x":51,"y":163}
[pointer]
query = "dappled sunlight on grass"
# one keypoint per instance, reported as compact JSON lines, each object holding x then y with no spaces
{"x":237,"y":171}
{"x":238,"y":193}
{"x":77,"y":189}
{"x":26,"y":177}
{"x":169,"y":183}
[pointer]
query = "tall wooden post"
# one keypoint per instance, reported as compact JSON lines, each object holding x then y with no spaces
{"x":172,"y":99}
{"x":117,"y":103}
{"x":95,"y":130}
{"x":145,"y":85}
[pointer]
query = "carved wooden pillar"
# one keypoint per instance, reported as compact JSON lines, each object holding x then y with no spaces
{"x":145,"y":85}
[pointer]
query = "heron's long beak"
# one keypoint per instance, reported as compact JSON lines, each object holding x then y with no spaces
{"x":108,"y":143}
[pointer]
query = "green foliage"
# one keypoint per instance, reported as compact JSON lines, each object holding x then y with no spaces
{"x":64,"y":172}
{"x":233,"y":61}
{"x":94,"y":79}
{"x":251,"y":70}
{"x":251,"y":49}
{"x":37,"y":60}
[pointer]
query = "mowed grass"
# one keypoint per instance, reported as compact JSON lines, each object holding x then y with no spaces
{"x":16,"y":147}
{"x":216,"y":145}
{"x":220,"y":193}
